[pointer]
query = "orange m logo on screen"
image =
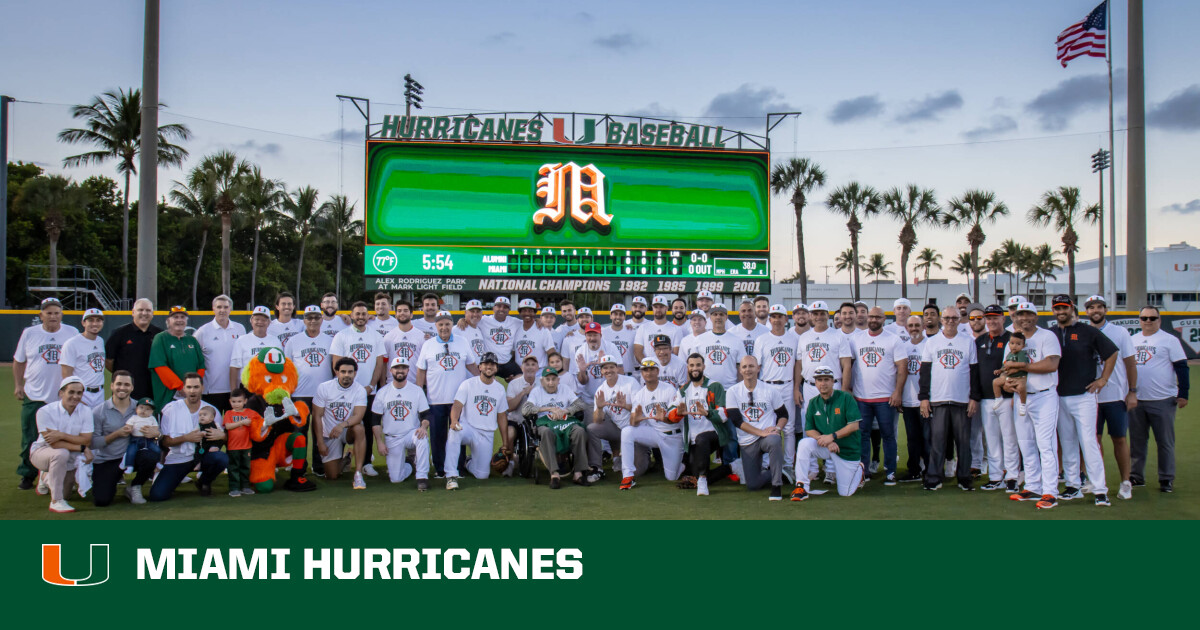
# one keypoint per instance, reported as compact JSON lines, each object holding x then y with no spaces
{"x":52,"y":566}
{"x":571,"y":190}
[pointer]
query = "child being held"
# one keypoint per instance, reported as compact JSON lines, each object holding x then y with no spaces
{"x":143,"y":417}
{"x":237,"y":433}
{"x":208,"y":420}
{"x":1011,"y":378}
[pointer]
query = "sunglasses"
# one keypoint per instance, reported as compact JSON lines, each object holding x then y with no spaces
{"x":975,"y":318}
{"x":1152,"y":318}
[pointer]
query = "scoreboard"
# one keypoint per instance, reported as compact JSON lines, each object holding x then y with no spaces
{"x":452,"y":216}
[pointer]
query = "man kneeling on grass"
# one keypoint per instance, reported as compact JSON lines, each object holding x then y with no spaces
{"x":831,"y":434}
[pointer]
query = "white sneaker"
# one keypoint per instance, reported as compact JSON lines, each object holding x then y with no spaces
{"x":134,"y":494}
{"x":873,"y":468}
{"x":235,"y":493}
{"x":452,"y":483}
{"x":789,"y":475}
{"x":616,"y":464}
{"x":42,"y":488}
{"x":247,"y":490}
{"x":702,"y":487}
{"x":830,"y":478}
{"x":61,"y":507}
{"x":186,"y":479}
{"x":1126,"y":491}
{"x":369,"y":471}
{"x":359,"y":484}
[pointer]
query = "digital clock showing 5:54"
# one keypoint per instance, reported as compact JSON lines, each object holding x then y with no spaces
{"x":437,"y":262}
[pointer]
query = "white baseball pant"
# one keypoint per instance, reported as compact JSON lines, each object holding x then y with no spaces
{"x":480,"y":442}
{"x":398,"y":469}
{"x":849,"y":473}
{"x":977,"y":452}
{"x":95,"y":399}
{"x":1037,"y":436}
{"x":670,"y":445}
{"x":1003,"y":453}
{"x":809,"y":391}
{"x":1077,"y":429}
{"x":787,"y":393}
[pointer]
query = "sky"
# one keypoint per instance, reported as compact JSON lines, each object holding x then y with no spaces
{"x":948,"y":95}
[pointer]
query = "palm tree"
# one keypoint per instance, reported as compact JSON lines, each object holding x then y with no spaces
{"x":199,"y":207}
{"x":59,"y":202}
{"x":912,"y":207}
{"x":974,"y":208}
{"x":1062,"y":208}
{"x":113,"y":124}
{"x":303,"y":214}
{"x":260,"y":200}
{"x":926,"y":261}
{"x":847,"y":262}
{"x":1012,"y":252}
{"x":340,"y":222}
{"x":1042,"y":263}
{"x":878,"y":268}
{"x":962,"y":264}
{"x":994,"y":264}
{"x":851,"y":201}
{"x":798,"y":176}
{"x":222,"y":175}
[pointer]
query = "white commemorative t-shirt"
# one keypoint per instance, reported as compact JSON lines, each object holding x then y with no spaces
{"x":623,"y":341}
{"x":245,"y":348}
{"x":383,"y":326}
{"x":1155,"y":356}
{"x":177,"y":420}
{"x":400,"y":408}
{"x":561,"y":398}
{"x":619,"y":415}
{"x":874,"y":367}
{"x":587,"y":391}
{"x":912,"y":386}
{"x":285,"y":330}
{"x":218,"y":345}
{"x":535,"y":341}
{"x":445,"y":364}
{"x":331,"y":327}
{"x":403,"y":343}
{"x":1043,"y":344}
{"x":1118,"y":383}
{"x":54,"y":417}
{"x":663,"y":398}
{"x":365,"y":347}
{"x":518,"y":385}
{"x":776,"y":356}
{"x":898,"y":329}
{"x":498,"y":336}
{"x":748,"y":336}
{"x":673,"y":373}
{"x":721,"y":353}
{"x":822,"y":349}
{"x":571,"y":342}
{"x":481,"y":403}
{"x":427,"y":327}
{"x":338,"y":403}
{"x":474,"y":338}
{"x":688,"y":344}
{"x":696,"y":397}
{"x":561,"y":331}
{"x":647,"y":331}
{"x":760,"y":413}
{"x":87,"y":356}
{"x":41,"y":352}
{"x":951,"y":361}
{"x":310,"y":355}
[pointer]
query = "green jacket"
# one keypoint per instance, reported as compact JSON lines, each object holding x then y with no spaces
{"x":716,"y":403}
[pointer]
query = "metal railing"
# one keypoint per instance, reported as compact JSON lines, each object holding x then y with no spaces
{"x":78,"y":286}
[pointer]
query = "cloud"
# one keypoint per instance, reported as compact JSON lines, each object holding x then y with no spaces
{"x":1180,"y":112}
{"x":347,"y":135}
{"x":747,"y":101}
{"x":1191,"y":207}
{"x":583,"y":17}
{"x":998,"y":125}
{"x":250,"y":146}
{"x":931,"y":107}
{"x":620,"y":42}
{"x":856,"y":109}
{"x":655,"y":110}
{"x":1054,"y":108}
{"x":501,"y":38}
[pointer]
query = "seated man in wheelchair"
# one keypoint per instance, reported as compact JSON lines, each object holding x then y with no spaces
{"x":559,"y":427}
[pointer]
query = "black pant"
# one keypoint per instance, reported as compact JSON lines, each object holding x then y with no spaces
{"x":876,"y":443}
{"x":439,"y":430}
{"x":314,"y":434}
{"x":370,"y":420}
{"x":700,"y":455}
{"x":948,"y":419}
{"x":220,"y":401}
{"x":106,"y":476}
{"x":914,"y":434}
{"x":509,"y":370}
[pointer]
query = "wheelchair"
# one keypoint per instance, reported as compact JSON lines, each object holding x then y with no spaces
{"x":525,"y":447}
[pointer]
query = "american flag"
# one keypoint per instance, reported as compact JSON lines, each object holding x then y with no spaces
{"x":1085,"y":38}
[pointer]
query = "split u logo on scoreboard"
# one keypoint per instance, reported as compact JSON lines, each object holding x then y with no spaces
{"x":571,"y":190}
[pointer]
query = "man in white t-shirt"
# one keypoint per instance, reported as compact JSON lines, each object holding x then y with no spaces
{"x":430,"y":306}
{"x":1013,"y":303}
{"x":310,"y":354}
{"x":820,"y":346}
{"x":1163,"y":384}
{"x":180,"y":427}
{"x":1119,"y":395}
{"x":286,"y":325}
{"x":555,"y":411}
{"x":660,"y":325}
{"x":847,"y":325}
{"x":404,"y":339}
{"x":613,"y":402}
{"x":445,"y":362}
{"x":83,"y":356}
{"x":382,"y":320}
{"x":246,"y":347}
{"x":529,"y":338}
{"x":517,"y":392}
{"x":471,"y":333}
{"x":331,"y":322}
{"x":722,"y":351}
{"x":748,"y":328}
{"x":567,"y":307}
{"x":64,"y":437}
{"x":499,"y":333}
{"x":37,"y":375}
{"x":654,"y":419}
{"x":698,"y":325}
{"x":365,"y":346}
{"x":914,"y":426}
{"x":679,"y":312}
{"x":585,"y":363}
{"x":879,"y":372}
{"x":901,"y":310}
{"x":218,"y":340}
{"x":574,"y":338}
{"x":672,"y":369}
{"x":759,"y":415}
{"x":776,"y":355}
{"x":949,"y":397}
{"x":637,"y":315}
{"x":404,"y":411}
{"x":621,"y":336}
{"x":479,"y":410}
{"x":339,"y":406}
{"x":800,"y":320}
{"x":707,"y":429}
{"x":1037,"y":430}
{"x":704,"y":302}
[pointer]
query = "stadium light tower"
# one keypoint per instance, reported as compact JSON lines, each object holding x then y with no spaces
{"x":1100,"y":162}
{"x":412,"y":94}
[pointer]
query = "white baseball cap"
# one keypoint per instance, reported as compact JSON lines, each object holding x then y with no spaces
{"x":819,"y":305}
{"x":637,"y":299}
{"x":704,"y":295}
{"x":1026,"y":307}
{"x":1015,"y":301}
{"x":526,"y":303}
{"x":312,"y":309}
{"x":777,"y":309}
{"x":501,"y":300}
{"x":697,"y":313}
{"x":608,"y":358}
{"x":548,"y":309}
{"x":474,"y":304}
{"x":261,"y":310}
{"x":440,"y":315}
{"x":583,"y":311}
{"x":967,"y":296}
{"x":93,"y":312}
{"x":617,"y":307}
{"x":1086,"y":303}
{"x":901,"y":302}
{"x":747,"y":300}
{"x":661,"y":299}
{"x":69,"y":380}
{"x":800,"y":306}
{"x":650,"y":362}
{"x":398,"y":361}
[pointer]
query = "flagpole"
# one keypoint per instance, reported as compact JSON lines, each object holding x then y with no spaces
{"x":1111,"y":290}
{"x":1135,"y":147}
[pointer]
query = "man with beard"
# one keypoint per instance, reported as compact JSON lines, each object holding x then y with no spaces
{"x":499,"y":334}
{"x":339,"y":406}
{"x":879,"y":372}
{"x":365,"y":347}
{"x":1003,"y":454}
{"x":404,"y":340}
{"x":610,"y":412}
{"x":445,"y":362}
{"x":706,"y":429}
{"x":748,"y":328}
{"x":287,"y":325}
{"x":530,"y":339}
{"x":963,"y":303}
{"x":800,"y":320}
{"x":331,"y":322}
{"x":182,"y":435}
{"x":382,"y":320}
{"x":975,"y":325}
{"x":479,"y":410}
{"x":1036,"y":429}
{"x":679,"y":313}
{"x":574,"y":338}
{"x":585,"y":363}
{"x":762,"y":308}
{"x":672,"y":369}
{"x":821,"y":346}
{"x":1119,"y":394}
{"x":430,"y":304}
{"x":949,"y":397}
{"x":650,"y":426}
{"x":915,"y":430}
{"x":568,"y":326}
{"x":638,"y":315}
{"x":471,"y":334}
{"x":660,"y":325}
{"x":776,"y":355}
{"x":860,"y":315}
{"x":620,"y":336}
{"x":405,"y":413}
{"x":901,"y":310}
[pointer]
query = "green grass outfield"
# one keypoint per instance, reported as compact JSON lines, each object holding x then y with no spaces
{"x":654,"y":498}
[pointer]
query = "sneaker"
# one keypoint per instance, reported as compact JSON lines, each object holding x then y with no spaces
{"x":247,"y":490}
{"x":776,"y":493}
{"x":61,"y":507}
{"x":734,"y":478}
{"x":134,"y":494}
{"x":369,"y":471}
{"x":1102,"y":500}
{"x":1086,"y":488}
{"x":186,"y":480}
{"x":966,"y":487}
{"x":595,"y":476}
{"x":581,"y":480}
{"x":42,"y":488}
{"x":1010,"y":486}
{"x":911,"y":477}
{"x":993,"y":485}
{"x":1070,"y":493}
{"x":422,"y":485}
{"x":799,"y":494}
{"x":1126,"y":491}
{"x":628,"y":483}
{"x":1048,"y":501}
{"x":359,"y":484}
{"x":1137,"y":482}
{"x":512,"y":465}
{"x":452,"y":483}
{"x":736,"y":467}
{"x":1166,"y":486}
{"x":890,"y":479}
{"x":789,"y":475}
{"x":702,"y":487}
{"x":830,"y":478}
{"x":555,"y":483}
{"x":235,"y":493}
{"x":1024,"y":495}
{"x":616,"y":464}
{"x":25,"y":484}
{"x":976,"y":473}
{"x":873,"y":468}
{"x":932,"y":488}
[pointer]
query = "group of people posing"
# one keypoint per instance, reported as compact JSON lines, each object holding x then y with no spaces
{"x":761,"y":402}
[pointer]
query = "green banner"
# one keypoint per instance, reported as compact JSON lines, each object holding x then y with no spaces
{"x":458,"y":284}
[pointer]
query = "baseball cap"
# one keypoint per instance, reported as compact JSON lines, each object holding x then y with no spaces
{"x":272,"y":359}
{"x":974,"y":306}
{"x":650,"y":363}
{"x":1095,"y":299}
{"x":177,"y":310}
{"x":443,"y":315}
{"x":146,"y":402}
{"x":549,"y":371}
{"x":261,"y":310}
{"x":592,"y":327}
{"x":967,"y":296}
{"x":819,"y":305}
{"x":312,"y":309}
{"x":93,"y":312}
{"x":617,"y":307}
{"x":822,"y":371}
{"x":637,"y":299}
{"x":1062,"y":299}
{"x":1026,"y":307}
{"x":608,"y":358}
{"x":488,"y":357}
{"x":529,"y":358}
{"x":526,"y":303}
{"x":901,"y":302}
{"x":697,"y":313}
{"x":1015,"y":301}
{"x":51,"y":301}
{"x":704,"y":295}
{"x":660,"y":340}
{"x":860,"y":303}
{"x":474,"y":305}
{"x":777,"y":309}
{"x":746,"y":299}
{"x":800,"y":306}
{"x":398,"y":360}
{"x":501,"y":300}
{"x":718,"y":307}
{"x":548,"y":310}
{"x":994,"y":309}
{"x":69,"y":380}
{"x":583,"y":310}
{"x":661,"y":299}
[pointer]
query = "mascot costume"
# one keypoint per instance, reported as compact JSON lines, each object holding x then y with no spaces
{"x":278,"y":436}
